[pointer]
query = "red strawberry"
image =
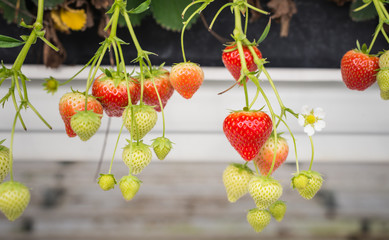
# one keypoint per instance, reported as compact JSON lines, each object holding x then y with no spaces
{"x":358,"y":69}
{"x":72,"y":102}
{"x":231,"y":60}
{"x":160,"y":77}
{"x":186,"y":78}
{"x":111,"y":90}
{"x":247,"y":131}
{"x":264,"y":159}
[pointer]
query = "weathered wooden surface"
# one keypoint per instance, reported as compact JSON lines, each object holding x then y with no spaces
{"x":187,"y":201}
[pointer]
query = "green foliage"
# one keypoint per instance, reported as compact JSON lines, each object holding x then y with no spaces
{"x":169,"y":15}
{"x":9,"y":12}
{"x":136,"y":18}
{"x":367,"y":13}
{"x":9,"y":42}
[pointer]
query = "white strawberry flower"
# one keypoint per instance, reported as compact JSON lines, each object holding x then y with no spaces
{"x":311,"y":119}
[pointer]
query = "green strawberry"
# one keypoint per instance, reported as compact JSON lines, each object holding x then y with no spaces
{"x":384,"y":95}
{"x":277,"y":210}
{"x":85,"y":124}
{"x":106,"y":181}
{"x":236,"y":178}
{"x":145,"y":119}
{"x":258,"y":218}
{"x":14,"y":198}
{"x":136,"y":156}
{"x":300,"y":181}
{"x":314,"y":184}
{"x":4,"y":161}
{"x":129,"y":185}
{"x":162,"y":147}
{"x":265,"y":191}
{"x":384,"y":60}
{"x":383,"y":82}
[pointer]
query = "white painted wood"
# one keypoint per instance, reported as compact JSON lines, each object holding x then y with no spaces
{"x":357,"y":122}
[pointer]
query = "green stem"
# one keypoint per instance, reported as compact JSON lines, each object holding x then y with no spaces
{"x":313,"y":151}
{"x":378,"y":29}
{"x":114,"y":151}
{"x":256,"y":9}
{"x":217,"y":14}
{"x":254,"y":99}
{"x":162,"y":110}
{"x":12,"y":143}
{"x":39,"y":115}
{"x":294,"y":143}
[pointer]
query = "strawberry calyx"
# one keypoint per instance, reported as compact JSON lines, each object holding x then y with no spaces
{"x":364,"y":50}
{"x":242,"y":167}
{"x":301,"y":179}
{"x":115,"y":76}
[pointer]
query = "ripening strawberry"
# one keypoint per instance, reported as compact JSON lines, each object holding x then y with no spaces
{"x":72,"y":102}
{"x":258,"y":218}
{"x":4,"y":161}
{"x":314,"y":184}
{"x":236,"y":178}
{"x":106,"y":181}
{"x":14,"y":198}
{"x":159,"y":77}
{"x":247,"y":131}
{"x":145,"y":118}
{"x":161,"y":147}
{"x":85,"y":124}
{"x":186,"y":78}
{"x":136,"y":156}
{"x":264,"y":159}
{"x":358,"y":69}
{"x":110,"y":89}
{"x":129,"y":186}
{"x":231,"y":60}
{"x":277,"y":210}
{"x":383,"y":83}
{"x":265,"y":191}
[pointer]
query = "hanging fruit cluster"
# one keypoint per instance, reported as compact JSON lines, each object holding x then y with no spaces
{"x":253,"y":132}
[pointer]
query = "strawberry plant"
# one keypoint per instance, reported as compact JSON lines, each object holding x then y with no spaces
{"x":253,"y":130}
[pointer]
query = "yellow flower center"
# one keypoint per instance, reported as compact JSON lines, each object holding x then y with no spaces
{"x":311,"y":119}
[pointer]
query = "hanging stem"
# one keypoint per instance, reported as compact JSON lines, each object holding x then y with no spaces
{"x":313,"y":151}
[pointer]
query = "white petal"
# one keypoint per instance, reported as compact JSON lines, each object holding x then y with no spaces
{"x":309,"y":130}
{"x":319,"y":125}
{"x":301,"y":120}
{"x":306,"y":110}
{"x":319,"y":113}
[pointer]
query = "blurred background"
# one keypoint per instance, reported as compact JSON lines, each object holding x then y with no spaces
{"x":183,"y":197}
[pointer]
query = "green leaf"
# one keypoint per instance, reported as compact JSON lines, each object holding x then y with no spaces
{"x":9,"y":42}
{"x":265,"y":32}
{"x":49,"y":4}
{"x":141,"y":8}
{"x":169,"y":15}
{"x":365,"y":14}
{"x":135,"y":19}
{"x":9,"y":12}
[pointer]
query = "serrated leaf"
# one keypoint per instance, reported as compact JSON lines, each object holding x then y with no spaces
{"x":49,"y":4}
{"x":169,"y":15}
{"x":141,"y":8}
{"x":9,"y":42}
{"x":365,"y":14}
{"x":136,"y":19}
{"x":9,"y":11}
{"x":265,"y":32}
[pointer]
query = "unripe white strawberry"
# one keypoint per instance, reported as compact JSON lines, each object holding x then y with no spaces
{"x":106,"y":181}
{"x":277,"y":210}
{"x":145,"y":118}
{"x":258,"y":218}
{"x":129,"y":186}
{"x":384,"y":60}
{"x":4,"y":161}
{"x":314,"y":184}
{"x":161,"y":147}
{"x":264,"y":191}
{"x":85,"y":124}
{"x":136,"y":156}
{"x":14,"y":198}
{"x":236,"y":178}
